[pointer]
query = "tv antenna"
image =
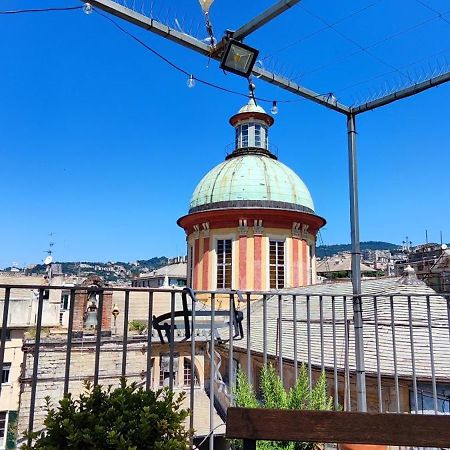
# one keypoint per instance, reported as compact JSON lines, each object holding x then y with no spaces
{"x":51,"y":244}
{"x":49,"y":258}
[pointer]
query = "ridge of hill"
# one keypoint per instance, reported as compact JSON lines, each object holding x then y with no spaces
{"x":329,"y":250}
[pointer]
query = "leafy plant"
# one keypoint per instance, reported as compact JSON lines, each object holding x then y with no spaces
{"x":274,"y":395}
{"x":137,"y":325}
{"x":127,"y":418}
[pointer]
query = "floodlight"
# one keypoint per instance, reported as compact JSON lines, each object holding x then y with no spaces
{"x":239,"y":58}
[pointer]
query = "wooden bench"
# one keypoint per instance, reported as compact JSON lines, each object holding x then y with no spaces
{"x":253,"y":424}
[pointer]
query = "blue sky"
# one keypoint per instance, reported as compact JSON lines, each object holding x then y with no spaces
{"x":102,"y":144}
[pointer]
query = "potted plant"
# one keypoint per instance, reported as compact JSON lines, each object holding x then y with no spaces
{"x":126,"y":418}
{"x":274,"y":395}
{"x":137,"y":326}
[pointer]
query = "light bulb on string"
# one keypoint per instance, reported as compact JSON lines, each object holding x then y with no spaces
{"x":274,"y":109}
{"x":88,"y":9}
{"x":191,"y":81}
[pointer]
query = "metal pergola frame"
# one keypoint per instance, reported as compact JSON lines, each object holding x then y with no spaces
{"x":266,"y":16}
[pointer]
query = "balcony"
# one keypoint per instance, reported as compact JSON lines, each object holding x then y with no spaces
{"x":197,"y":342}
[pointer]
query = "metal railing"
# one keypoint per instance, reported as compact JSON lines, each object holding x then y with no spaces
{"x":406,"y":346}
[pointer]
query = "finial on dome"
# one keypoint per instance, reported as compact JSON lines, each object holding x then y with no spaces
{"x":251,"y":90}
{"x":251,"y":109}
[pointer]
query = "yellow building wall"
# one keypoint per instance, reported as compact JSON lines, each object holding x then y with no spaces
{"x":9,"y":397}
{"x":303,"y":274}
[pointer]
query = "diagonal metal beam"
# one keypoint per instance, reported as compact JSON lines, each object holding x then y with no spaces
{"x":263,"y":18}
{"x":288,"y":85}
{"x":407,"y":92}
{"x":192,"y":43}
{"x":151,"y":25}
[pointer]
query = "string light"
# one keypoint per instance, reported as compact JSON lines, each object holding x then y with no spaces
{"x":39,"y":10}
{"x":88,"y":9}
{"x":191,"y":81}
{"x":274,"y":109}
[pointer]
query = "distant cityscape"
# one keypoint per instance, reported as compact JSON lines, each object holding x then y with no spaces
{"x":431,"y":262}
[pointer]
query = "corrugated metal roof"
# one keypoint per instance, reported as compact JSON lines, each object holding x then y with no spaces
{"x":178,"y":270}
{"x":340,"y":265}
{"x":251,"y":106}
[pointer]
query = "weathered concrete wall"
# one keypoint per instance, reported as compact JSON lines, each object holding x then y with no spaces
{"x":51,"y":371}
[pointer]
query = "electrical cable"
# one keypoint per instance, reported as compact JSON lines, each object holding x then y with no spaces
{"x":185,"y":72}
{"x":440,"y":15}
{"x":374,"y":44}
{"x":352,"y":41}
{"x":320,"y":30}
{"x":367,"y":80}
{"x":157,"y":54}
{"x":37,"y":10}
{"x":209,"y":434}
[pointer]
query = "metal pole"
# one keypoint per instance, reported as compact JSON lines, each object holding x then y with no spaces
{"x":356,"y":267}
{"x":263,"y":18}
{"x":4,"y":331}
{"x":192,"y":386}
{"x":212,"y":375}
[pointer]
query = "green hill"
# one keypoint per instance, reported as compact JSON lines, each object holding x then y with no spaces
{"x":328,"y":250}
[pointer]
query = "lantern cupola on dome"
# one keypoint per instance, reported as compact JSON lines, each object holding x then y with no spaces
{"x":251,"y":124}
{"x":251,"y":222}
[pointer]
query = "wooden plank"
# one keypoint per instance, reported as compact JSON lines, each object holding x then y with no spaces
{"x":338,"y":427}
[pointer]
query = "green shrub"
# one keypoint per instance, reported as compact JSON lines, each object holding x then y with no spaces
{"x":274,"y":395}
{"x":127,"y":418}
{"x":137,"y":325}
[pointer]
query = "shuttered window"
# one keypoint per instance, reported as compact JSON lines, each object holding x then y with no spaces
{"x":224,"y":263}
{"x":276,"y":264}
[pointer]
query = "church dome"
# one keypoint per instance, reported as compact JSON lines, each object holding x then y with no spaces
{"x":251,"y":180}
{"x":251,"y":176}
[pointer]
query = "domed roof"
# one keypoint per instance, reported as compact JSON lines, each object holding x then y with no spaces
{"x":250,"y":107}
{"x":251,"y":180}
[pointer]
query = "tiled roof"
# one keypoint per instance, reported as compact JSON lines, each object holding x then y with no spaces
{"x":172,"y":270}
{"x":340,"y":265}
{"x":331,"y":351}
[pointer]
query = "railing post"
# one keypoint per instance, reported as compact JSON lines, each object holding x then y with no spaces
{"x":212,"y":374}
{"x":356,"y":267}
{"x":4,"y":331}
{"x":193,"y":352}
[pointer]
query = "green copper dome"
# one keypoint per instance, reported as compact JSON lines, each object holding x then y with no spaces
{"x":251,"y":180}
{"x":251,"y":177}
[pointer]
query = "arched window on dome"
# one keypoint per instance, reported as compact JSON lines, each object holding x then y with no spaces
{"x":224,"y":263}
{"x":276,"y":264}
{"x":265,"y":136}
{"x":258,"y":135}
{"x":244,"y":135}
{"x":251,"y":134}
